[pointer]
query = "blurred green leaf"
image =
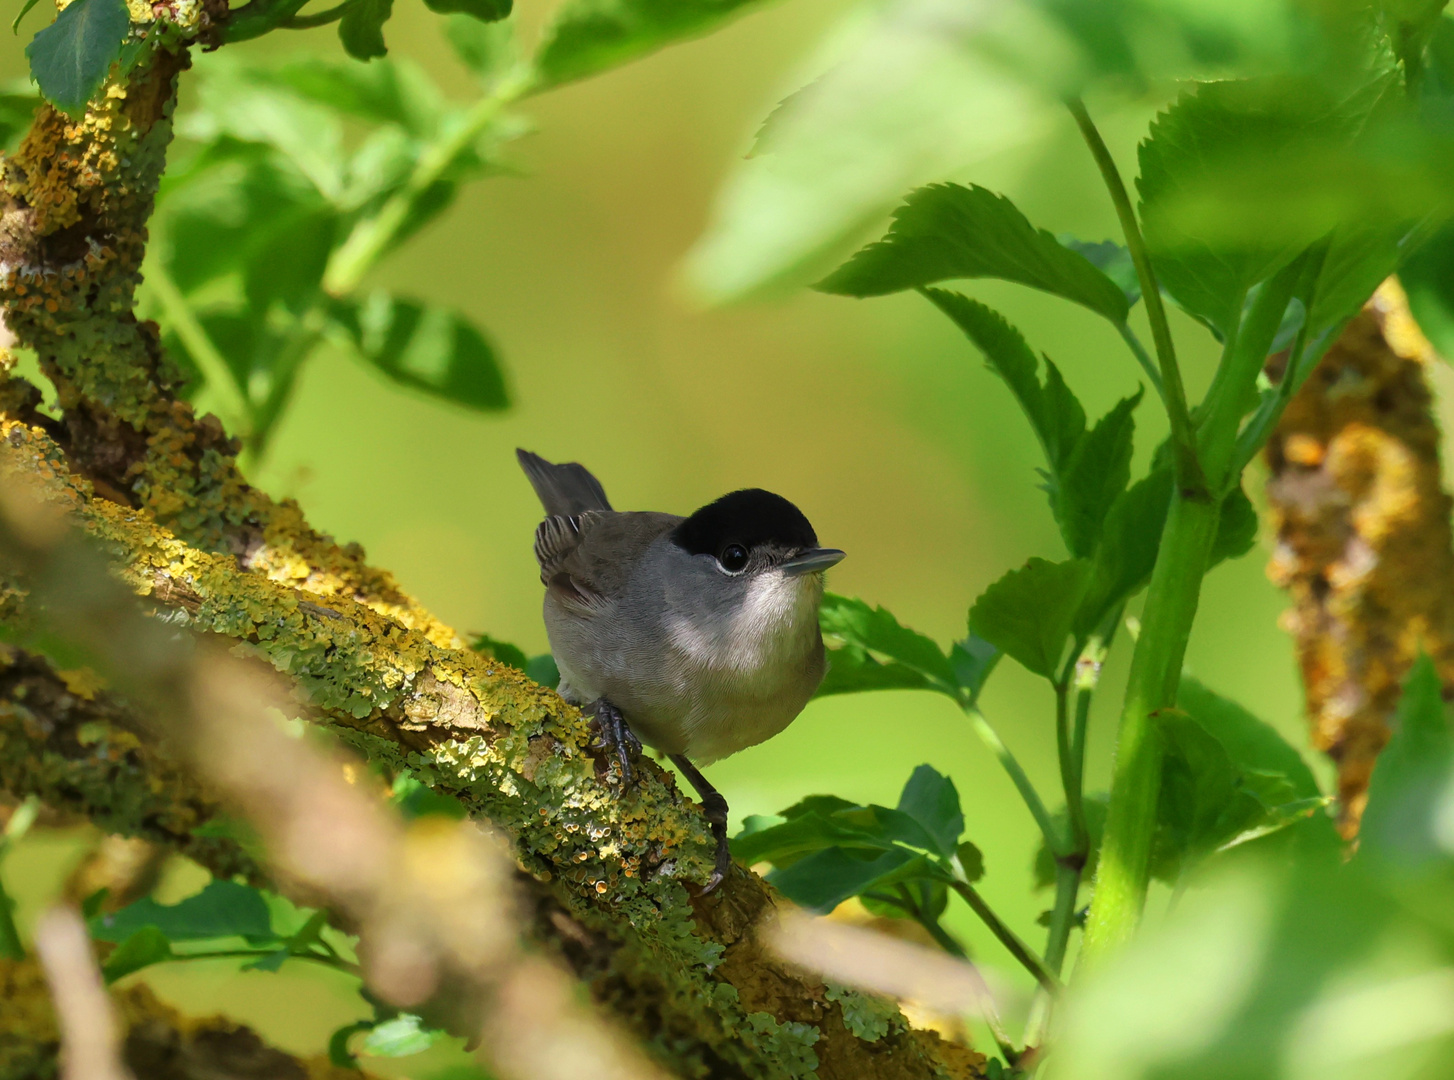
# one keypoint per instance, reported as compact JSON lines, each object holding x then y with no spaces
{"x":946,"y":231}
{"x":142,"y":948}
{"x":1236,"y":528}
{"x":932,"y":801}
{"x":862,"y":635}
{"x":785,"y":843}
{"x":1054,"y":413}
{"x":589,"y":36}
{"x":971,"y":861}
{"x":1095,"y":476}
{"x":487,"y":49}
{"x":286,"y":263}
{"x":1130,"y":540}
{"x":416,"y":799}
{"x":428,"y":348}
{"x":1111,"y":259}
{"x":394,"y":91}
{"x":70,"y":57}
{"x":401,"y":1036}
{"x":826,"y":878}
{"x":1428,"y":278}
{"x":542,"y":669}
{"x":483,"y":10}
{"x":16,"y":113}
{"x":973,"y":659}
{"x":1028,"y":613}
{"x":1252,"y":743}
{"x":222,"y":909}
{"x":502,"y":651}
{"x":1409,"y":793}
{"x":362,"y":28}
{"x":893,"y":98}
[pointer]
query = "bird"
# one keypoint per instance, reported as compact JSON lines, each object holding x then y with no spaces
{"x":697,"y":635}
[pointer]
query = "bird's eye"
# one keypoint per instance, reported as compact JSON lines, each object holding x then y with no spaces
{"x":733,"y":558}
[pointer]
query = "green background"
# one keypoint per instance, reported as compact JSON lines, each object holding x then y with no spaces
{"x":875,"y":417}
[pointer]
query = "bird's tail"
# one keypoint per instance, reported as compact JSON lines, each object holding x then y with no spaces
{"x":564,"y":489}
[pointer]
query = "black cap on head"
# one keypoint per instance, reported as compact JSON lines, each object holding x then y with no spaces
{"x":750,"y":518}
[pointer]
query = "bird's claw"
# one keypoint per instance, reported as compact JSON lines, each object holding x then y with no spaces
{"x":615,"y":736}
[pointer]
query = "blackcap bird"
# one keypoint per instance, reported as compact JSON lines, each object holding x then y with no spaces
{"x":697,"y":636}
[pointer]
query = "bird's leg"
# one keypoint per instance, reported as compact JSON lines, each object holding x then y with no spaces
{"x":715,"y":809}
{"x":616,"y":736}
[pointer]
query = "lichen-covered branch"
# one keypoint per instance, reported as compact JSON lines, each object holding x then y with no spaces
{"x":1363,"y":536}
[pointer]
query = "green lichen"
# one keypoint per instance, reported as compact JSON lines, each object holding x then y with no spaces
{"x":790,"y":1045}
{"x":868,"y":1016}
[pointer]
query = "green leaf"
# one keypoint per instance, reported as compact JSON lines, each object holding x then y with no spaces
{"x":1183,"y":168}
{"x":1404,"y":822}
{"x":487,"y":49}
{"x":16,"y":113}
{"x":483,"y":10}
{"x":826,"y":878}
{"x":338,"y":1052}
{"x":589,"y":36}
{"x":502,"y":651}
{"x":405,"y":1034}
{"x":542,"y":669}
{"x":222,"y":909}
{"x":429,"y":348}
{"x":416,"y":799}
{"x":146,"y":946}
{"x":862,"y":635}
{"x":395,"y":91}
{"x":784,"y":844}
{"x":946,"y":231}
{"x":1095,"y":476}
{"x":1053,"y":411}
{"x":1126,"y":555}
{"x":1111,"y":259}
{"x":1428,"y":278}
{"x":285,"y":263}
{"x":971,"y":861}
{"x":1028,"y":613}
{"x":69,"y":59}
{"x":362,"y":28}
{"x":1251,"y":743}
{"x":1236,"y":528}
{"x":932,"y":801}
{"x":973,"y":660}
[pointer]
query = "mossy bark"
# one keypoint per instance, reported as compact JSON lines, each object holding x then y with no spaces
{"x":206,"y":551}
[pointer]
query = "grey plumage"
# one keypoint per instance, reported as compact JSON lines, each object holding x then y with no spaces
{"x":563,"y":489}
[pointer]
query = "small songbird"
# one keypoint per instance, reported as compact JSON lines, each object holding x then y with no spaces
{"x":697,"y":636}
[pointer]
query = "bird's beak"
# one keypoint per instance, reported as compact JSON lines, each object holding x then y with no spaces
{"x":812,"y":560}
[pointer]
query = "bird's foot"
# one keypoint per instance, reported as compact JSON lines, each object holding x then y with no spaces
{"x":714,"y":809}
{"x":615,"y":736}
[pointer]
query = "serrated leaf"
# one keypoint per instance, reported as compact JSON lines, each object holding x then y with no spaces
{"x":1111,"y":259}
{"x":1130,"y":541}
{"x":589,"y":36}
{"x":1095,"y":476}
{"x":362,"y":28}
{"x":222,"y":909}
{"x":1408,"y":794}
{"x":862,"y":635}
{"x":1053,"y":411}
{"x":429,"y":348}
{"x":69,"y":59}
{"x":146,"y":946}
{"x":1251,"y":743}
{"x":401,"y":1036}
{"x":947,"y":231}
{"x":973,"y":660}
{"x":932,"y":800}
{"x":484,"y":10}
{"x":1028,"y":613}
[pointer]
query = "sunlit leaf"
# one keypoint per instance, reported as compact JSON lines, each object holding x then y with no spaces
{"x":588,"y":36}
{"x":429,"y":348}
{"x":402,"y":1036}
{"x":1028,"y":613}
{"x":70,"y":57}
{"x":946,"y":231}
{"x":873,"y":652}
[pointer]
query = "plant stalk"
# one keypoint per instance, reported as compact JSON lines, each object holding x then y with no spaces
{"x":1008,"y":938}
{"x":1183,"y":436}
{"x":233,"y":407}
{"x":1171,"y":604}
{"x":991,"y":739}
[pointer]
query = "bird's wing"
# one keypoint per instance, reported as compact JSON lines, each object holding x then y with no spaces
{"x":585,"y":559}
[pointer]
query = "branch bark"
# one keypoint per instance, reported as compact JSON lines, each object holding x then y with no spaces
{"x":160,"y":488}
{"x":1363,"y":536}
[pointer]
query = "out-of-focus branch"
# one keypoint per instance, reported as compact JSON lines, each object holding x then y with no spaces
{"x":1363,"y":536}
{"x":431,"y":901}
{"x":158,"y":1042}
{"x":90,"y":1040}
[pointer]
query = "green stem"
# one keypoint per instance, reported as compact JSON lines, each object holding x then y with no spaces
{"x":233,"y":407}
{"x":1070,"y":783}
{"x":1008,"y":938}
{"x":991,"y":739}
{"x":253,"y":954}
{"x":373,"y":236}
{"x":1142,"y":357}
{"x":305,"y":334}
{"x":1189,"y":472}
{"x":1171,"y":604}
